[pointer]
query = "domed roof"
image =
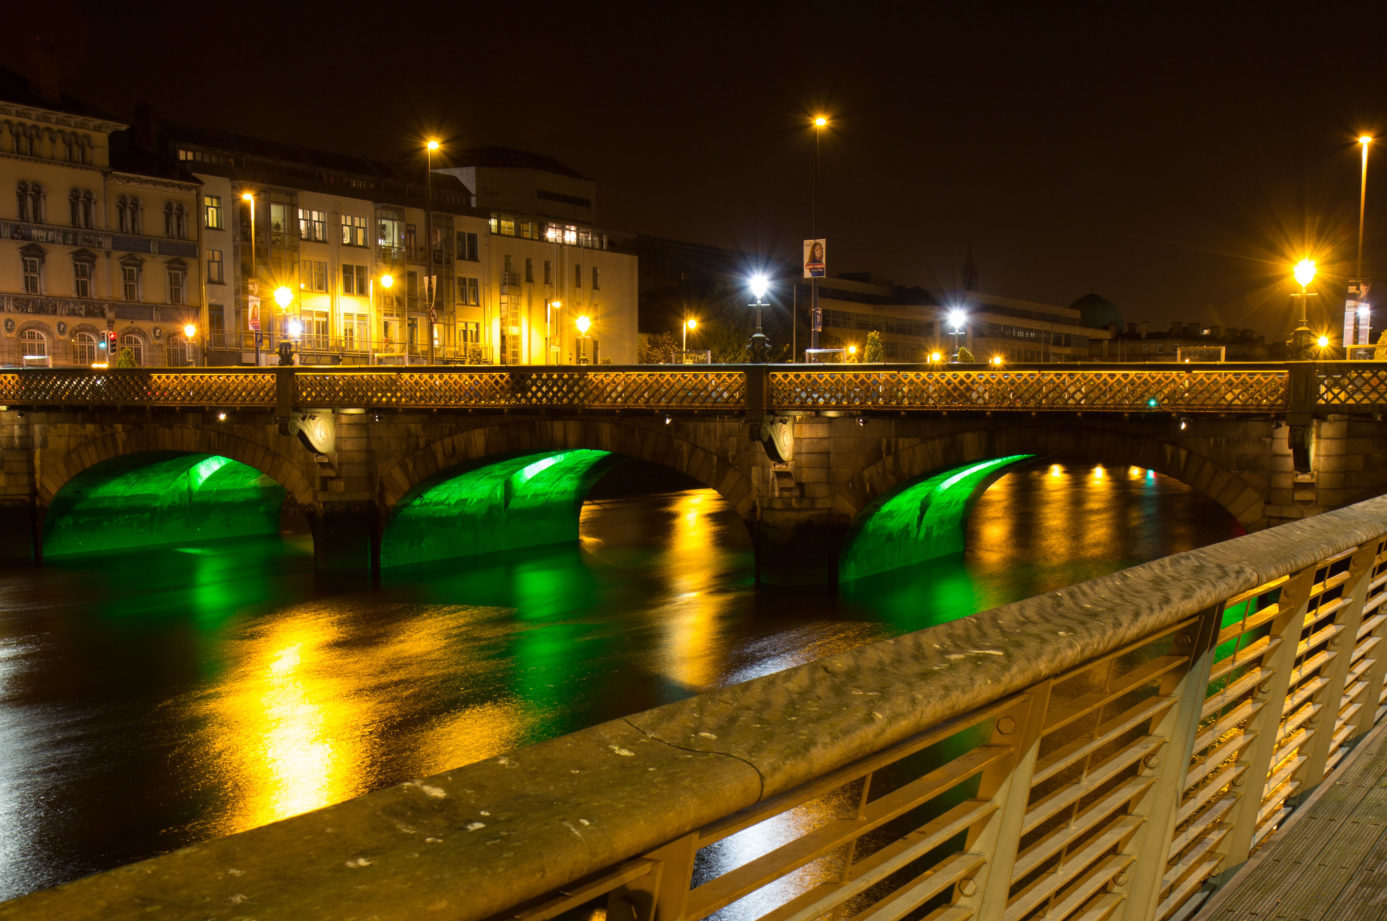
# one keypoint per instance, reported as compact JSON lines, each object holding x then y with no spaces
{"x":1097,"y":311}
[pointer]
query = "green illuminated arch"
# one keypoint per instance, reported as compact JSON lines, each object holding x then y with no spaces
{"x":153,"y":498}
{"x":526,"y":501}
{"x":921,"y":521}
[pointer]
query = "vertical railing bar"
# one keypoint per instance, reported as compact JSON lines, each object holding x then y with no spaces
{"x":1161,"y":804}
{"x":1008,"y":785}
{"x":1354,"y":593}
{"x":1256,"y":758}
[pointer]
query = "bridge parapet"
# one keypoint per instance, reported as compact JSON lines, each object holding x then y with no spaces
{"x":1110,"y":750}
{"x":1184,"y":388}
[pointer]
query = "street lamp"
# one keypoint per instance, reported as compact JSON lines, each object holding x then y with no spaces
{"x":1301,"y":337}
{"x":816,"y":318}
{"x":688,"y":325}
{"x":284,"y":297}
{"x":957,"y":319}
{"x":1365,"y":140}
{"x":584,"y":323}
{"x":429,"y":148}
{"x":190,"y":333}
{"x":549,"y":307}
{"x":252,"y":285}
{"x":759,"y":345}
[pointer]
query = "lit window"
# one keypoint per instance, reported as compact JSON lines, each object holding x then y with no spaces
{"x":212,"y":210}
{"x":215,"y":267}
{"x":81,"y":278}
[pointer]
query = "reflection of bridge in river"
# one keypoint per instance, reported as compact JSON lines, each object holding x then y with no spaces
{"x":802,"y":453}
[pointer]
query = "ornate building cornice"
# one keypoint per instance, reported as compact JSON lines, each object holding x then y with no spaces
{"x":55,"y":117}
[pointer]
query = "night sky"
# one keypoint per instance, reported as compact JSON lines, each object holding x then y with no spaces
{"x":1176,"y":160}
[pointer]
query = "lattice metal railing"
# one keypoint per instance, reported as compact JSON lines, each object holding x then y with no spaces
{"x":784,"y":388}
{"x":1124,"y":390}
{"x":138,"y":387}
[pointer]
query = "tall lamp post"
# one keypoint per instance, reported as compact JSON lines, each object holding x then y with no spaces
{"x":429,"y":148}
{"x":957,"y":319}
{"x":252,"y":285}
{"x":688,"y":325}
{"x":815,"y":318}
{"x":760,"y":346}
{"x":584,"y":323}
{"x":1357,"y":322}
{"x":1301,"y":337}
{"x":190,"y":333}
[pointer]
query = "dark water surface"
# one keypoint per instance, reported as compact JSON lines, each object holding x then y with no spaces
{"x":158,"y":698}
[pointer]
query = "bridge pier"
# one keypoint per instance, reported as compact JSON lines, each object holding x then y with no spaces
{"x":799,"y":547}
{"x":346,"y":537}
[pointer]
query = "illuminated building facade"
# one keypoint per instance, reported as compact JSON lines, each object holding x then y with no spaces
{"x":98,"y":248}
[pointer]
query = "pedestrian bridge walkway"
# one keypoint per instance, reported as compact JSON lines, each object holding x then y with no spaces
{"x":1329,"y":860}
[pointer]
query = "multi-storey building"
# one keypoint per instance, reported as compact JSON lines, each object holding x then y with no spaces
{"x":341,"y":267}
{"x":98,"y":253}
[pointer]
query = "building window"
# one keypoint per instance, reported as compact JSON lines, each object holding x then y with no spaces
{"x":390,"y":232}
{"x":529,"y":270}
{"x":313,"y":225}
{"x":81,"y":277}
{"x":353,"y":230}
{"x":177,"y":274}
{"x":507,"y":227}
{"x":176,"y":348}
{"x":129,"y":214}
{"x":136,"y":346}
{"x":467,"y":246}
{"x":212,"y":211}
{"x":175,"y":220}
{"x":33,"y":346}
{"x":469,"y":292}
{"x":215,"y":267}
{"x":32,"y":266}
{"x":548,"y":272}
{"x":595,"y":279}
{"x":82,"y":207}
{"x":355,"y":280}
{"x":313,"y":275}
{"x":83,"y":348}
{"x":279,"y":222}
{"x":130,"y":278}
{"x":31,"y":201}
{"x":577,"y":276}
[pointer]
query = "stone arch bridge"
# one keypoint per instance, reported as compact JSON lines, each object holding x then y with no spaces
{"x":800,"y":452}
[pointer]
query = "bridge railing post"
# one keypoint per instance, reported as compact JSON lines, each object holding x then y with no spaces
{"x":284,"y":392}
{"x":757,"y":392}
{"x":1372,"y":642}
{"x":1331,"y":725}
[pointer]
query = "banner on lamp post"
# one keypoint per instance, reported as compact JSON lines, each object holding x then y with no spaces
{"x":814,"y":262}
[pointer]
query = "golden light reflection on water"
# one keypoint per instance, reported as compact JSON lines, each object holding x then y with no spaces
{"x":283,"y":724}
{"x":690,"y":652}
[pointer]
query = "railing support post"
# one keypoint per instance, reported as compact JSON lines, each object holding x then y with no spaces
{"x":1255,"y":759}
{"x":1330,"y":697}
{"x":1377,"y":672}
{"x":662,"y":894}
{"x":1008,"y":784}
{"x":1161,"y":804}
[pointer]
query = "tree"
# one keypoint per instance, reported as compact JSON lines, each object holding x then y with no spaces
{"x":873,"y":353}
{"x":1380,"y":350}
{"x":658,"y":349}
{"x":965,"y":356}
{"x":126,"y":358}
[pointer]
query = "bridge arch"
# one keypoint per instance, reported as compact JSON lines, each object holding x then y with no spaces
{"x":182,"y":439}
{"x":1241,"y":499}
{"x":522,"y":484}
{"x":640,"y":442}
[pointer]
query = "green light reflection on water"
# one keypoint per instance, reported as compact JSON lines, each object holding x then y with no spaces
{"x":924,"y":520}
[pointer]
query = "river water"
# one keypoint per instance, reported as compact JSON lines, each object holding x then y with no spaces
{"x":158,"y":698}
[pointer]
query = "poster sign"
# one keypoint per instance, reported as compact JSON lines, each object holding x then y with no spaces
{"x":253,"y":312}
{"x":814,"y":258}
{"x":818,"y":319}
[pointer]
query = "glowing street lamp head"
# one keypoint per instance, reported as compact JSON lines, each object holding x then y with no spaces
{"x":759,"y":284}
{"x":283,"y":296}
{"x":190,"y":330}
{"x":1365,"y":139}
{"x":996,"y":360}
{"x":432,"y":144}
{"x":387,"y":280}
{"x":820,"y":121}
{"x":935,"y":357}
{"x":584,"y":324}
{"x":852,"y":350}
{"x":247,"y":196}
{"x":1322,"y":342}
{"x":957,"y":317}
{"x":295,"y":329}
{"x":1305,"y":272}
{"x":691,"y":324}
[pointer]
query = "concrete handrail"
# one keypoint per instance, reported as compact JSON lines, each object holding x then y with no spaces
{"x":480,"y":839}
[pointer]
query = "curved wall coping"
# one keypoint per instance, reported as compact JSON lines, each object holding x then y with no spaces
{"x":476,"y":840}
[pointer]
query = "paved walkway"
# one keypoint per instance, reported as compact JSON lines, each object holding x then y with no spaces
{"x":1328,"y":862}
